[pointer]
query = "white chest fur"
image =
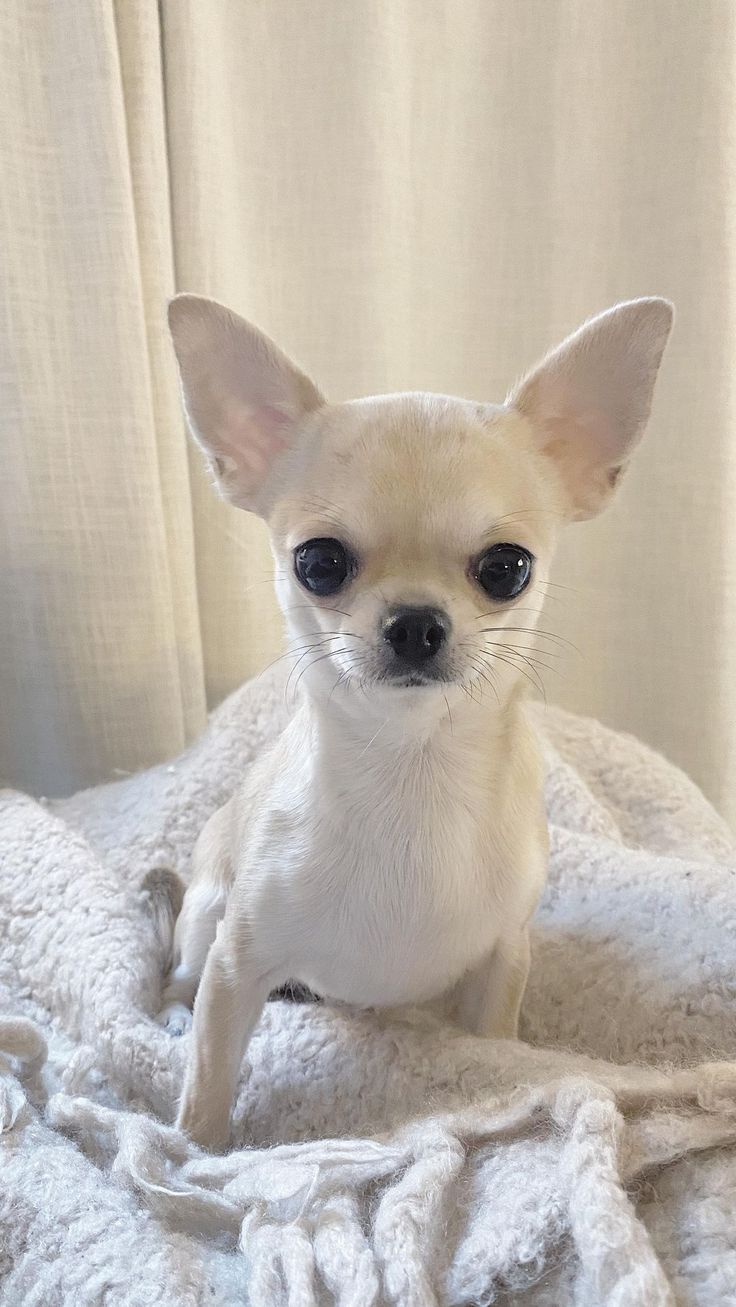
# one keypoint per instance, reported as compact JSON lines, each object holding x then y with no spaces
{"x":380,"y":876}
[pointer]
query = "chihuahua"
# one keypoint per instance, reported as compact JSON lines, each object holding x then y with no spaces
{"x":391,"y":847}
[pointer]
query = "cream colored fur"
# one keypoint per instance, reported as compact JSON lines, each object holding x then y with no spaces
{"x":392,"y":846}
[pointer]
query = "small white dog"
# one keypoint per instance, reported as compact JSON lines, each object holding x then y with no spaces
{"x":392,"y":846}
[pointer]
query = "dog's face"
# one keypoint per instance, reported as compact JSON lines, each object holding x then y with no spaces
{"x":417,"y":531}
{"x":413,"y":533}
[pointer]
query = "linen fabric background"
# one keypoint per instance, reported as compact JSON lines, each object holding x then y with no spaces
{"x":414,"y":195}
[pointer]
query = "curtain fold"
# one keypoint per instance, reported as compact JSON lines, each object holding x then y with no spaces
{"x":414,"y":195}
{"x":100,"y":657}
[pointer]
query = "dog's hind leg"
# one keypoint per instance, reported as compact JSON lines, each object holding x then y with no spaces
{"x":202,"y":910}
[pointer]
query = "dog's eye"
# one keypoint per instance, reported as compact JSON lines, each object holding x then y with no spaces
{"x":504,"y":571}
{"x":322,"y":566}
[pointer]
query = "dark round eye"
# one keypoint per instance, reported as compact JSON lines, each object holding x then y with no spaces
{"x":322,"y":565}
{"x":504,"y":571}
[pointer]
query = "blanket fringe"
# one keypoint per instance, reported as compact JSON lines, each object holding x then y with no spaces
{"x":302,"y":1212}
{"x":365,"y":1217}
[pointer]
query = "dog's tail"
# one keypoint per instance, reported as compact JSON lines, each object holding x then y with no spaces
{"x":163,"y":890}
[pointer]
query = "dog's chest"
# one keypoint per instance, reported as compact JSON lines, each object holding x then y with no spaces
{"x":396,"y":885}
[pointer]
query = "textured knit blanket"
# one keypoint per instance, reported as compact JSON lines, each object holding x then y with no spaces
{"x":379,"y":1158}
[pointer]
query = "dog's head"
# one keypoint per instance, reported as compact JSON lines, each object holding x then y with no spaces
{"x":413,"y":533}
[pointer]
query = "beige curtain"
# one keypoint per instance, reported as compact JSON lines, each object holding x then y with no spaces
{"x":422,"y":193}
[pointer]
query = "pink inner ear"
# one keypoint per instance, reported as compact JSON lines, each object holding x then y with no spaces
{"x":580,"y":436}
{"x":252,"y":439}
{"x":586,"y":414}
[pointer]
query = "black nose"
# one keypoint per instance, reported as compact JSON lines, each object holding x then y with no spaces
{"x":416,"y":634}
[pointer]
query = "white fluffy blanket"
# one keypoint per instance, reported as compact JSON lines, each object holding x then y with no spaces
{"x":380,"y":1159}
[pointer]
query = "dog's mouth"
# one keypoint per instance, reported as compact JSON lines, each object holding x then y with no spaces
{"x":414,"y":680}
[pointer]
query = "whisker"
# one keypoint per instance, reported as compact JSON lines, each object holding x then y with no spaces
{"x":343,"y":679}
{"x":486,"y":678}
{"x":517,"y":608}
{"x":308,"y":667}
{"x":471,"y":687}
{"x":373,"y":737}
{"x":531,"y":661}
{"x":323,"y":508}
{"x":532,"y":630}
{"x":304,"y":654}
{"x":537,"y":683}
{"x":266,"y":580}
{"x":527,"y":650}
{"x":483,"y":677}
{"x":293,"y":608}
{"x":290,"y":653}
{"x":527,"y":512}
{"x":557,"y":585}
{"x":520,"y":608}
{"x":324,"y":638}
{"x":318,"y":501}
{"x":531,"y":657}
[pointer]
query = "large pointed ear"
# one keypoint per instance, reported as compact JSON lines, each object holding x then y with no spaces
{"x":589,"y":399}
{"x":244,"y":399}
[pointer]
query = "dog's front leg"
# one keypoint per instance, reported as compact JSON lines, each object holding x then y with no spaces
{"x":229,"y":1001}
{"x":489,"y":997}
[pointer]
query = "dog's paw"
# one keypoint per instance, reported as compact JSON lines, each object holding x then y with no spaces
{"x":176,"y":1018}
{"x":211,"y":1134}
